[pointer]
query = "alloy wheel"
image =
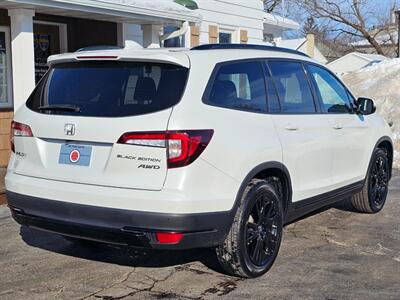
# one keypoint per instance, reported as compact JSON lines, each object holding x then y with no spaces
{"x":379,"y":180}
{"x":263,"y":231}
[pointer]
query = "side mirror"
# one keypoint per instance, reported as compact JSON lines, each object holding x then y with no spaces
{"x":365,"y":106}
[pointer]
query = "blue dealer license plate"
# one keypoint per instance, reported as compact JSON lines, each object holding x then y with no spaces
{"x":78,"y":155}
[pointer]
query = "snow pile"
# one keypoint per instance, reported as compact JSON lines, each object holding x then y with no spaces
{"x":381,"y":82}
{"x":167,"y":5}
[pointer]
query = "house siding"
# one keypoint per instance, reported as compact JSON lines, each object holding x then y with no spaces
{"x":232,"y":16}
{"x":348,"y":64}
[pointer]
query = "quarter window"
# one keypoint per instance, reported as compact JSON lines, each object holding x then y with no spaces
{"x":293,"y":87}
{"x":333,"y":94}
{"x":239,"y":86}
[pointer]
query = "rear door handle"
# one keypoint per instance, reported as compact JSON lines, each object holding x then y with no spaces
{"x":338,"y":126}
{"x":291,"y":127}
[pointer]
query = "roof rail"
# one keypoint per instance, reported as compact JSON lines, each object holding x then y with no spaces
{"x":247,"y":47}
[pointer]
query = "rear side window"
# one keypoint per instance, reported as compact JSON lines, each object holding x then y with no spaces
{"x":238,"y":85}
{"x":109,"y":89}
{"x":293,"y":87}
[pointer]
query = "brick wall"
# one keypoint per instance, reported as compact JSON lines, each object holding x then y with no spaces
{"x":5,"y":122}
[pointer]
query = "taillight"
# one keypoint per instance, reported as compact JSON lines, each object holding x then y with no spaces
{"x":151,"y":139}
{"x":184,"y":147}
{"x":19,"y":129}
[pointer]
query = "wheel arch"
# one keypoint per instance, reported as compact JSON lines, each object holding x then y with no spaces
{"x":386,"y":143}
{"x":266,"y":170}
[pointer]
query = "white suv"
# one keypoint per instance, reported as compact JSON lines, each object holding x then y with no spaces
{"x":217,"y":146}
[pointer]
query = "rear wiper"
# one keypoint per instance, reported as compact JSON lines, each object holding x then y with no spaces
{"x":60,"y":107}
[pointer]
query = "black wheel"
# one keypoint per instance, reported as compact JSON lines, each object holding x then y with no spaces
{"x":372,"y":198}
{"x":253,"y":242}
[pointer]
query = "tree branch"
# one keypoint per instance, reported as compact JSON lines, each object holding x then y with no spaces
{"x":347,"y":13}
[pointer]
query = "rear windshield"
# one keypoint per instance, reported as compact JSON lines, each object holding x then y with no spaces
{"x":109,"y":89}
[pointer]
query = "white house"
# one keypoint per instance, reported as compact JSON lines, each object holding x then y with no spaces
{"x":306,"y":45}
{"x":236,"y":21}
{"x":32,"y":30}
{"x":275,"y":26}
{"x":354,"y":61}
{"x":231,"y":21}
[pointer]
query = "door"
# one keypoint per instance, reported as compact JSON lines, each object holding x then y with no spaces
{"x":303,"y":131}
{"x":349,"y":131}
{"x":46,"y":43}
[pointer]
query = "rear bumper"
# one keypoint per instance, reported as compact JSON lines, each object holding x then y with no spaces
{"x":118,"y":226}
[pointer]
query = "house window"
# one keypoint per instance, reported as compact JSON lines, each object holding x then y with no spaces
{"x":5,"y":69}
{"x":175,"y":42}
{"x":225,"y":38}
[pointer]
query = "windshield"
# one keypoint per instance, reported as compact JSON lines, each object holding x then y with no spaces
{"x":109,"y":89}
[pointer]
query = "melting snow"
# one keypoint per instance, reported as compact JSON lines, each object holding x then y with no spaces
{"x":381,"y":82}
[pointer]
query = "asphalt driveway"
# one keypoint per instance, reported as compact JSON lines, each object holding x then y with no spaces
{"x":335,"y":254}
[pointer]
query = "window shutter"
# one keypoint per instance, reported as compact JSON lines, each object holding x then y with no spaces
{"x":194,"y":36}
{"x":243,"y":37}
{"x":213,"y":34}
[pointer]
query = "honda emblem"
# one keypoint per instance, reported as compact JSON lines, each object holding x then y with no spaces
{"x":69,"y":129}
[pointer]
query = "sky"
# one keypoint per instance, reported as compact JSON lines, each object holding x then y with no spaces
{"x":376,"y":12}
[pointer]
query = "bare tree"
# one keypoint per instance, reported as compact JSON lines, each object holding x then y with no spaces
{"x":271,"y":5}
{"x":355,"y":18}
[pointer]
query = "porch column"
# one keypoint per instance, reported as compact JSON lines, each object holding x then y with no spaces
{"x":129,"y":32}
{"x":23,"y":56}
{"x":151,"y":36}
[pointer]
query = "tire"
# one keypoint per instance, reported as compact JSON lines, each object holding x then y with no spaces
{"x":372,"y":197}
{"x":253,"y":242}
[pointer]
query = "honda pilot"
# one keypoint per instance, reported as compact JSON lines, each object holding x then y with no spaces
{"x":217,"y":146}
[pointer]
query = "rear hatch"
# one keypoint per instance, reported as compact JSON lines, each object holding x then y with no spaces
{"x":79,"y":112}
